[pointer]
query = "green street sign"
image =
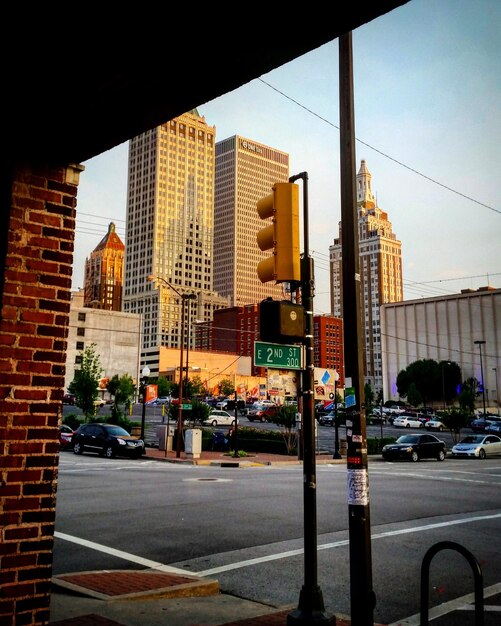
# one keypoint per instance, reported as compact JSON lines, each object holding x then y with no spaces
{"x":278,"y":356}
{"x":186,"y":406}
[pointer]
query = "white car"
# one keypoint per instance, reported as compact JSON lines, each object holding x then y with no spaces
{"x":407,"y":422}
{"x":220,"y":418}
{"x":434,"y":424}
{"x":479,"y":446}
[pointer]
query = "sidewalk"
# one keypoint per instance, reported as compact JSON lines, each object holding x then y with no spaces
{"x":153,"y":598}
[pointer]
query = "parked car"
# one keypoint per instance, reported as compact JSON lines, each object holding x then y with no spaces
{"x":264,"y":413}
{"x":69,"y":398}
{"x":65,"y":436}
{"x":415,"y":447}
{"x":479,"y":446}
{"x":217,"y":417}
{"x":327,"y":419}
{"x":494,"y":428}
{"x":407,"y":421}
{"x":107,"y":440}
{"x":395,"y":409}
{"x":481,"y":424}
{"x":434,"y":424}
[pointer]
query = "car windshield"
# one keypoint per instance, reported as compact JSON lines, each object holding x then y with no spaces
{"x":473,"y":439}
{"x":408,"y":439}
{"x":118,"y":430}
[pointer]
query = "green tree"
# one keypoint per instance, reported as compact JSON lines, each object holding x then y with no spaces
{"x":122,"y":389}
{"x":469,"y":391}
{"x":199,"y":412}
{"x":164,"y":386}
{"x":197,"y":387}
{"x":431,"y":380}
{"x":369,"y":397}
{"x":454,"y":420}
{"x":414,"y":398}
{"x":286,"y":419}
{"x":226,"y":386}
{"x":84,"y":386}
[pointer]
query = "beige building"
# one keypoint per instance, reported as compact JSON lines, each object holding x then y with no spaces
{"x":380,"y":254}
{"x":245,"y":172}
{"x":115,"y":334}
{"x":442,"y":329}
{"x":170,"y":231}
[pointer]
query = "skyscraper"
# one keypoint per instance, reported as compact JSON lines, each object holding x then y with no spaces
{"x":245,"y":172}
{"x":103,"y":274}
{"x":170,"y":227}
{"x":380,"y":254}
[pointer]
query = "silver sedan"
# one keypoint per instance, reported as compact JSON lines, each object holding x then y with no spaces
{"x":479,"y":446}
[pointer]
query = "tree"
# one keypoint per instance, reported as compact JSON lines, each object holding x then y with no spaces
{"x":197,"y":386}
{"x":85,"y":384}
{"x":430,"y":379}
{"x":454,"y":420}
{"x":469,"y":391}
{"x":369,"y":397}
{"x":286,"y":419}
{"x":164,"y":386}
{"x":226,"y":387}
{"x":414,"y":398}
{"x":122,"y":389}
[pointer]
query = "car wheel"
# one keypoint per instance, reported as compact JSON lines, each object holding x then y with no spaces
{"x":263,"y":419}
{"x":78,"y":448}
{"x":481,"y":454}
{"x":214,"y":422}
{"x":407,"y":425}
{"x":440,"y":429}
{"x":441,"y":455}
{"x":233,"y":423}
{"x":109,"y":452}
{"x":414,"y":456}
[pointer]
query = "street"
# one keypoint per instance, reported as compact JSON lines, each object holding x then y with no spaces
{"x":245,"y":526}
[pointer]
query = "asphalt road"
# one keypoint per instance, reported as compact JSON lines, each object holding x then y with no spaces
{"x":245,"y":527}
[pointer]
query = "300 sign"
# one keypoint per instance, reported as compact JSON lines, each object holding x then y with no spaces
{"x":278,"y":356}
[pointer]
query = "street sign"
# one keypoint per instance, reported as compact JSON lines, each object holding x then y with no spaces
{"x":278,"y":356}
{"x":186,"y":407}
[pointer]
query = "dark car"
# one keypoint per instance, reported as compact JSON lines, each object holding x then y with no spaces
{"x":69,"y":398}
{"x":414,"y":448}
{"x":107,"y":440}
{"x":482,"y":424}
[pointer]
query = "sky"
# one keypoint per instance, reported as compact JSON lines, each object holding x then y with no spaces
{"x":427,"y":102}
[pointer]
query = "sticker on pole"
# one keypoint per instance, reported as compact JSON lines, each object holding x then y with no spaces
{"x":358,"y":487}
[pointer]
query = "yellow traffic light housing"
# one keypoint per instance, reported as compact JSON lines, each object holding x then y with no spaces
{"x":282,"y":236}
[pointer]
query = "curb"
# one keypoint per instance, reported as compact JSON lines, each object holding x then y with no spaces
{"x":119,"y":585}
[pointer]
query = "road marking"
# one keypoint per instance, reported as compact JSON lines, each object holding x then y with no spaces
{"x":459,"y":604}
{"x":126,"y":556}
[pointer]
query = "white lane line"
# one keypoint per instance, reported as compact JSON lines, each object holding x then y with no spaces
{"x":126,"y":556}
{"x":272,"y":557}
{"x":459,"y":604}
{"x":337,"y":544}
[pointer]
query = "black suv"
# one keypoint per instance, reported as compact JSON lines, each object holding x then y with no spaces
{"x":107,"y":440}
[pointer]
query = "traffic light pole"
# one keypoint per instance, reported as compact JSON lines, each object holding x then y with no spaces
{"x":310,"y":608}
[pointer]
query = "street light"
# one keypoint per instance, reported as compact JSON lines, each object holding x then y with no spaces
{"x":495,"y":370}
{"x":443,"y":382}
{"x":480,"y":343}
{"x":336,"y":454}
{"x":144,"y":379}
{"x":183,"y":296}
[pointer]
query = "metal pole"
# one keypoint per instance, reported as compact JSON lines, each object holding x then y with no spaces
{"x":443,"y":386}
{"x":235,"y":432}
{"x":495,"y":369}
{"x":362,"y":595}
{"x":180,"y":405}
{"x":336,"y":454}
{"x":143,"y":415}
{"x":480,"y":344}
{"x":310,"y":608}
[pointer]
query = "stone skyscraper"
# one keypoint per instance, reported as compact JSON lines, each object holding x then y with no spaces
{"x":381,"y":279}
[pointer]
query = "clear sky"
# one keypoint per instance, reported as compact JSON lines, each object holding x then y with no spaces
{"x":427,"y":87}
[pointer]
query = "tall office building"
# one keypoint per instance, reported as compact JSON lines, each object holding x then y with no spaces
{"x":245,"y":172}
{"x":103,"y":274}
{"x":380,"y":254}
{"x":170,"y":227}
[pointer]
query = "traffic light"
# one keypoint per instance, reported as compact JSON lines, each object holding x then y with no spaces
{"x":281,"y":321}
{"x":282,"y":236}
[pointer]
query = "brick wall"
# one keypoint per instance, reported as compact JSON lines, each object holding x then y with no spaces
{"x":35,"y":304}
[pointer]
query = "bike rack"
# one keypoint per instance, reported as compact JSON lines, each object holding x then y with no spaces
{"x":477,"y":575}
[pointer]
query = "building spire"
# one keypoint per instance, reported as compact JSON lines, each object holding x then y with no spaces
{"x":365,"y":196}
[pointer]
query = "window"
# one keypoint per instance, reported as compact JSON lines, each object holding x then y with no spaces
{"x":80,"y":345}
{"x":78,"y":359}
{"x":81,"y":332}
{"x":81,"y":317}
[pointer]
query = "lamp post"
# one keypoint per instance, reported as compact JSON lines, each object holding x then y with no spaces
{"x":336,"y":454}
{"x":495,"y":370}
{"x":480,"y":343}
{"x":443,"y":381}
{"x":144,"y":379}
{"x":183,"y":296}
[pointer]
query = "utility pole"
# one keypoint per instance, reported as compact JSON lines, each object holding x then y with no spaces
{"x":363,"y":599}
